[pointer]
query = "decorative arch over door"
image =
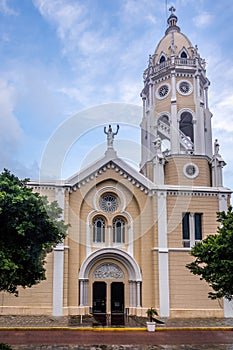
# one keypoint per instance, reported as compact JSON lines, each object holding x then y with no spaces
{"x":117,"y":255}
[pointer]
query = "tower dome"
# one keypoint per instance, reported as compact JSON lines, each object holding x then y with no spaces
{"x":174,"y":43}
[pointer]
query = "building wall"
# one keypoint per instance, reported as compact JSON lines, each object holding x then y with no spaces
{"x":188,"y":296}
{"x":174,"y":171}
{"x":31,"y":301}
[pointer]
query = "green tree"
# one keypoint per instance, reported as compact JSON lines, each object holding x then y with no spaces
{"x":30,"y":227}
{"x":214,"y":258}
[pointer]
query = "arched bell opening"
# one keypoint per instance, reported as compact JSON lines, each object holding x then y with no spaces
{"x":186,"y":124}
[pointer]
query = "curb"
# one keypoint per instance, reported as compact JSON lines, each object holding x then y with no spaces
{"x":115,"y":329}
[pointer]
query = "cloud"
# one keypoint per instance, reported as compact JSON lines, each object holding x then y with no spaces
{"x":203,"y":19}
{"x":6,"y":9}
{"x":68,"y":17}
{"x":10,"y":132}
{"x":223,"y":111}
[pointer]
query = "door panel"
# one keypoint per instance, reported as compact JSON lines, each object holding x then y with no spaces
{"x":99,"y":297}
{"x":117,"y":303}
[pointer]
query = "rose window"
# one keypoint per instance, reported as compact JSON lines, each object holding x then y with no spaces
{"x":108,"y":203}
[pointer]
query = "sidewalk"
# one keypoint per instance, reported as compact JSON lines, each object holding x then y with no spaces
{"x":134,"y":322}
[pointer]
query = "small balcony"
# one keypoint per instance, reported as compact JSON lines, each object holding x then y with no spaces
{"x":177,"y":62}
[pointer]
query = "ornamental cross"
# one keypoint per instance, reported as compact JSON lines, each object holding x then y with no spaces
{"x":172,"y":9}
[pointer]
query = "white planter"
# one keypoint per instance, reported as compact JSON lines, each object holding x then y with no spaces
{"x":150,"y":326}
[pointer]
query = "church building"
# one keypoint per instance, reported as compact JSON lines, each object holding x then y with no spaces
{"x":131,"y":231}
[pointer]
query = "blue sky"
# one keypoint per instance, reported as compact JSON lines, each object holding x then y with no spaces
{"x":69,"y":67}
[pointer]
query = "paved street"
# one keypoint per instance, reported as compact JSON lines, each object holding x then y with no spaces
{"x":78,"y":337}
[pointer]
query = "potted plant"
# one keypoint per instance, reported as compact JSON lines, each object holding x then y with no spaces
{"x":151,"y":312}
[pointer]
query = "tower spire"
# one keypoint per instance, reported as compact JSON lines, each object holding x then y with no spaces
{"x":172,"y":20}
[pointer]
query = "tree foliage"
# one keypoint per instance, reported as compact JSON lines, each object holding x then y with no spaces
{"x":214,"y":258}
{"x":30,"y":227}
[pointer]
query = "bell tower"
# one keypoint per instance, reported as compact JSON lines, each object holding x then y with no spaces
{"x":176,"y":134}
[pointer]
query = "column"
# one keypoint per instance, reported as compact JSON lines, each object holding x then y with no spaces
{"x":89,"y":230}
{"x":131,"y":294}
{"x":110,"y":236}
{"x":130,"y":237}
{"x":151,"y":94}
{"x":198,"y":126}
{"x":138,"y":294}
{"x":164,"y":293}
{"x":192,"y":229}
{"x":174,"y":126}
{"x":86,"y":284}
{"x":58,"y":280}
{"x":81,"y":293}
{"x":58,"y":263}
{"x":134,"y":293}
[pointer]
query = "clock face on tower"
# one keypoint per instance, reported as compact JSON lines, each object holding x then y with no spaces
{"x":184,"y":87}
{"x":163,"y":91}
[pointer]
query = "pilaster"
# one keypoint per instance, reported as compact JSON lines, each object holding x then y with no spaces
{"x":174,"y":125}
{"x":164,"y":293}
{"x":58,"y":264}
{"x":198,"y":126}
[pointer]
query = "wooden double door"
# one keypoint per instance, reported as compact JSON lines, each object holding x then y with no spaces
{"x":116,"y":300}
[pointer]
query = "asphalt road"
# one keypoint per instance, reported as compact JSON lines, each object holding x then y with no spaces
{"x":79,"y":337}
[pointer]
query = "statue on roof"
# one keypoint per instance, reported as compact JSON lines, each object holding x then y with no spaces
{"x":216,"y":147}
{"x":110,"y":135}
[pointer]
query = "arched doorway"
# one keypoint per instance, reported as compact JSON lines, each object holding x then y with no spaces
{"x":113,"y":274}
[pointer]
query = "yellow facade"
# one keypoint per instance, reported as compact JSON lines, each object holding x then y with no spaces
{"x":128,"y":242}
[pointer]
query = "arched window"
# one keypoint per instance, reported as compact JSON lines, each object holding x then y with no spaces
{"x":186,"y":124}
{"x":162,"y":59}
{"x":183,"y":54}
{"x":99,"y":230}
{"x":164,"y":118}
{"x":118,"y":230}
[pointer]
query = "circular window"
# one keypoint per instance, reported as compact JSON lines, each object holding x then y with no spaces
{"x":184,"y":87}
{"x":163,"y":91}
{"x":191,"y":170}
{"x":108,"y":203}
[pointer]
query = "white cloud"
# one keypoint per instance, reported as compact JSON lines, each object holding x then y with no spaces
{"x":223,"y":112}
{"x":10,"y":131}
{"x":69,"y":18}
{"x":203,"y":19}
{"x":6,"y":9}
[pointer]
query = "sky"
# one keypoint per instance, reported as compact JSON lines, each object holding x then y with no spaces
{"x":70,"y":67}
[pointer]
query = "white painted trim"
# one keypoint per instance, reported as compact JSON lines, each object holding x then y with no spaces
{"x":58,"y":263}
{"x":121,"y":256}
{"x":164,"y":295}
{"x":228,"y":308}
{"x":155,"y":249}
{"x":164,"y":292}
{"x":222,"y":202}
{"x":58,"y":280}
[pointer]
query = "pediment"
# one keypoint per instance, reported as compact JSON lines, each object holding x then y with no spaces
{"x":109,"y":161}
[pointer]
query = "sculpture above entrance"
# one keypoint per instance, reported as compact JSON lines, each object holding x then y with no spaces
{"x":110,"y":135}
